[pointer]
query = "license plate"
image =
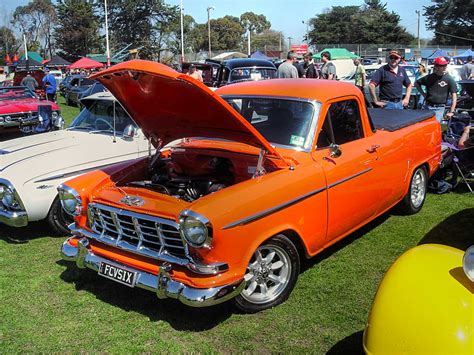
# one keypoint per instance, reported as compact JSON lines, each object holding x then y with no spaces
{"x":118,"y":274}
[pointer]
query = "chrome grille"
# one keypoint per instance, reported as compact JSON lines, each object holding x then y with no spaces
{"x":14,"y":119}
{"x":139,"y":233}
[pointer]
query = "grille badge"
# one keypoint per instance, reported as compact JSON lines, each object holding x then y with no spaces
{"x":132,"y":201}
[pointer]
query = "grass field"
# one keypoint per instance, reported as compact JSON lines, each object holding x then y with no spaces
{"x":48,"y":305}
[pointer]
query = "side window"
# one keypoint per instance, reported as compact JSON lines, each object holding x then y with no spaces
{"x":342,"y":124}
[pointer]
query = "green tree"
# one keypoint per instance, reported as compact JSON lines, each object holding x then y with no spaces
{"x":266,"y":39}
{"x":452,"y":21}
{"x":77,"y":33}
{"x":253,"y":22}
{"x":8,"y":42}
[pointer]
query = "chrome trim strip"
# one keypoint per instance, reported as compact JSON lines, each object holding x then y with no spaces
{"x":29,"y":157}
{"x":162,"y":284}
{"x":349,"y":177}
{"x":265,"y":213}
{"x":274,"y":209}
{"x":35,"y":145}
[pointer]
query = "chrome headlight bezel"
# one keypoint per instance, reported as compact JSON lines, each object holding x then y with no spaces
{"x":9,"y":197}
{"x":468,"y":263}
{"x":195,"y":229}
{"x":70,"y":199}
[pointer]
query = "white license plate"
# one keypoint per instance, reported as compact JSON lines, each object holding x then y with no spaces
{"x":118,"y":274}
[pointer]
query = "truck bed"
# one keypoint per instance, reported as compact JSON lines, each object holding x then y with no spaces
{"x":393,"y":120}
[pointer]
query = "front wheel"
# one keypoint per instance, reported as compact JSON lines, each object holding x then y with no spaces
{"x":415,"y":197}
{"x":58,"y":219}
{"x":271,"y":275}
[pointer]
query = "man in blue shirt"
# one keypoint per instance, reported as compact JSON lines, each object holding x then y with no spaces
{"x":50,"y":85}
{"x":391,"y":78}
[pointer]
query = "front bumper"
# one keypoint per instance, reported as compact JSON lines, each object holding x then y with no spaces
{"x":162,"y":284}
{"x":13,"y":218}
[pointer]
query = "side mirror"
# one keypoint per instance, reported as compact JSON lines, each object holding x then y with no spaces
{"x":335,"y":150}
{"x":129,"y":132}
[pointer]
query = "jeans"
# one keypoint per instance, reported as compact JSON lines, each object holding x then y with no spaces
{"x":389,"y":105}
{"x":438,"y":110}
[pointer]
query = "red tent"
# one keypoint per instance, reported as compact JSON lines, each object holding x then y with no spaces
{"x":85,"y":63}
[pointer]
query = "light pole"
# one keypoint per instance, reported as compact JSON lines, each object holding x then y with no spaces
{"x":418,"y":13}
{"x":289,"y":43}
{"x":307,"y":31}
{"x":209,"y":8}
{"x":182,"y":31}
{"x":107,"y":49}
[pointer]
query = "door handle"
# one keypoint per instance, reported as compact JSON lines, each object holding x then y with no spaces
{"x":373,"y":148}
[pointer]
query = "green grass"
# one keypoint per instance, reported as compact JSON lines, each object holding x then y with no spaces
{"x":68,"y":112}
{"x":48,"y":305}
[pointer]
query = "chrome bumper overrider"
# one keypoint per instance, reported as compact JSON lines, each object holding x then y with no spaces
{"x":13,"y":218}
{"x":161,"y":284}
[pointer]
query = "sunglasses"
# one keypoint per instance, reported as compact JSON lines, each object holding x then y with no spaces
{"x":392,"y":57}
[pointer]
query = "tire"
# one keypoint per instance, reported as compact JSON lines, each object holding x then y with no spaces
{"x":58,"y":219}
{"x":415,"y":197}
{"x":262,"y":291}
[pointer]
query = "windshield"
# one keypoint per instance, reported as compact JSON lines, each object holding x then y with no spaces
{"x":281,"y":121}
{"x":99,"y":116}
{"x":240,"y":74}
{"x":9,"y":93}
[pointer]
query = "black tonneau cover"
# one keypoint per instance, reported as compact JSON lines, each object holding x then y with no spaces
{"x":392,"y":120}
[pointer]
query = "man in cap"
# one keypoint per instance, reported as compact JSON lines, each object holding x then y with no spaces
{"x":439,"y":85}
{"x":29,"y":82}
{"x":390,"y":78}
{"x":50,"y":85}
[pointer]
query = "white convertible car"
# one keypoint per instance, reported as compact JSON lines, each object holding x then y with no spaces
{"x":32,"y":167}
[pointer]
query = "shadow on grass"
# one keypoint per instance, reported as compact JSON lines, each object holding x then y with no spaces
{"x":178,"y":315}
{"x":349,"y":345}
{"x":23,"y":235}
{"x":455,"y":231}
{"x":309,"y":263}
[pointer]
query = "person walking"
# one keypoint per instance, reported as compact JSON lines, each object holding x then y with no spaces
{"x":328,"y":69}
{"x":287,"y":70}
{"x":309,"y":68}
{"x":439,"y":85}
{"x":29,"y":82}
{"x":467,"y":70}
{"x":49,"y":83}
{"x":359,"y":76}
{"x":390,"y":78}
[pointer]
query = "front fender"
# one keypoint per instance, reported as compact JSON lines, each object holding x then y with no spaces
{"x":424,"y":305}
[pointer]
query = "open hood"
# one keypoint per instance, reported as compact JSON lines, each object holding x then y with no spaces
{"x":168,"y":105}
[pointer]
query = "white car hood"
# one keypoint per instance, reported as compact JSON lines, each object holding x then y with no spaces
{"x":59,"y":154}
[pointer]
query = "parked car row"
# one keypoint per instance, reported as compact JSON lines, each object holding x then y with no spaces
{"x":75,"y":87}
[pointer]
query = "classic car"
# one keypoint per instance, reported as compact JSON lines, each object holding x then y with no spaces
{"x":32,"y":167}
{"x":246,"y":181}
{"x":76,"y":92}
{"x":38,"y":74}
{"x":20,"y":107}
{"x":424,"y":304}
{"x":69,"y":82}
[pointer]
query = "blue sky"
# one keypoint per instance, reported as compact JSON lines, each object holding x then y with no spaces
{"x":285,"y":16}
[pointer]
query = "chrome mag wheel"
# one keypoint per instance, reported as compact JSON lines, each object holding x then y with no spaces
{"x":418,"y":188}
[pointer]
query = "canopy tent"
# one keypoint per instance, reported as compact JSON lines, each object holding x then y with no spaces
{"x":337,"y":53}
{"x":85,"y":63}
{"x":31,"y":64}
{"x":229,"y":55}
{"x":259,"y":55}
{"x":57,"y":61}
{"x":465,"y":54}
{"x":437,"y":53}
{"x":33,"y":55}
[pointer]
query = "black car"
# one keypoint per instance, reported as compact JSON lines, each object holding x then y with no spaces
{"x":78,"y":87}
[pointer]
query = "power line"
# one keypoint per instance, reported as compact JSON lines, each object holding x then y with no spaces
{"x":446,"y":34}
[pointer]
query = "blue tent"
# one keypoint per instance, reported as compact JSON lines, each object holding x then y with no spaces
{"x":259,"y":55}
{"x":437,"y":53}
{"x":465,"y":54}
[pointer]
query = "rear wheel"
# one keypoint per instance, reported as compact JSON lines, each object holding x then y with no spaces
{"x":58,"y":219}
{"x":415,"y":197}
{"x":271,"y":275}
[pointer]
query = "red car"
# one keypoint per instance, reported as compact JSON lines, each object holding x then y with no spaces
{"x":20,"y":110}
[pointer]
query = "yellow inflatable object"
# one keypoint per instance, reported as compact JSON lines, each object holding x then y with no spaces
{"x":424,"y":305}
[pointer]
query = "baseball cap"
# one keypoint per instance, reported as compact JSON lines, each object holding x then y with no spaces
{"x":440,"y":61}
{"x":394,"y":53}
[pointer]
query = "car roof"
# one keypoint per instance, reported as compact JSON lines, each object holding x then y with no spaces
{"x":248,"y":62}
{"x":318,"y":90}
{"x":104,"y":95}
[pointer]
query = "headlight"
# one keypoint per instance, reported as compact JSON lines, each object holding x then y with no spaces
{"x":54,"y":114}
{"x":468,"y":263}
{"x":70,"y":200}
{"x":195,"y":229}
{"x":9,"y":198}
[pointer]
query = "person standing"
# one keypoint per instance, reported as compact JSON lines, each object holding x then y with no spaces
{"x":359,"y":76}
{"x":49,"y":83}
{"x":467,"y":70}
{"x":287,"y":70}
{"x":391,"y":78}
{"x":328,"y":69}
{"x":439,"y":85}
{"x":29,"y":82}
{"x":194,"y":73}
{"x":309,"y":68}
{"x":420,"y":72}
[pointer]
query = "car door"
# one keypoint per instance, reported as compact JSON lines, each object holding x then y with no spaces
{"x":349,"y":158}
